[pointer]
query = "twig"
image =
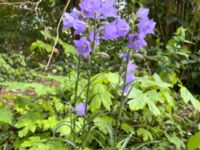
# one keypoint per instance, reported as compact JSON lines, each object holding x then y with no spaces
{"x":57,"y":36}
{"x":36,"y":7}
{"x":17,"y":3}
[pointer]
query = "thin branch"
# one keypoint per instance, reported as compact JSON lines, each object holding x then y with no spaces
{"x":57,"y":36}
{"x":17,"y":3}
{"x":36,"y":7}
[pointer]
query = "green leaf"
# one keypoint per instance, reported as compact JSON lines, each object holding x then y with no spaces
{"x":139,"y":99}
{"x":176,"y":141}
{"x":64,"y":127}
{"x":154,"y":95}
{"x":103,"y":123}
{"x":153,"y":108}
{"x":100,"y":94}
{"x":42,"y":46}
{"x":159,"y":82}
{"x":36,"y":143}
{"x":28,"y":122}
{"x":68,"y":49}
{"x":38,"y":88}
{"x":145,"y":134}
{"x":187,"y":96}
{"x":95,"y":104}
{"x":31,"y":140}
{"x":5,"y":115}
{"x":49,"y":123}
{"x":193,"y":142}
{"x":127,"y":128}
{"x":114,"y":78}
{"x":168,"y":97}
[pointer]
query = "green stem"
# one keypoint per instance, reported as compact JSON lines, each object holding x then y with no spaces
{"x":87,"y":97}
{"x":122,"y":101}
{"x":75,"y":98}
{"x":88,"y":85}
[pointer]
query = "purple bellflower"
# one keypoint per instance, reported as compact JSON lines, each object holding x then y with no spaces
{"x":131,"y":67}
{"x":83,"y":47}
{"x":129,"y":80}
{"x":117,"y":28}
{"x":146,"y":26}
{"x":67,"y":21}
{"x":75,"y":13}
{"x":136,"y":41}
{"x":80,"y":109}
{"x":108,"y":9}
{"x":110,"y":31}
{"x":142,"y":13}
{"x":72,"y":20}
{"x":79,"y":26}
{"x":90,"y":8}
{"x":98,"y":8}
{"x":122,"y":27}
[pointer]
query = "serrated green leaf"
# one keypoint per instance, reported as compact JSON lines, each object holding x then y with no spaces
{"x":187,"y":96}
{"x":99,"y":94}
{"x":114,"y":78}
{"x":145,"y":134}
{"x":30,"y":141}
{"x":153,"y":108}
{"x":159,"y":82}
{"x":176,"y":141}
{"x":28,"y":122}
{"x":42,"y":46}
{"x":168,"y":97}
{"x":103,"y":123}
{"x":139,"y":99}
{"x":153,"y":95}
{"x":193,"y":142}
{"x":68,"y":49}
{"x":127,"y":128}
{"x":95,"y":104}
{"x":5,"y":115}
{"x":40,"y":89}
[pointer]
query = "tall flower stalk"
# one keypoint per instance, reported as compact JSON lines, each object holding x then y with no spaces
{"x":100,"y":11}
{"x":75,"y":98}
{"x":89,"y":81}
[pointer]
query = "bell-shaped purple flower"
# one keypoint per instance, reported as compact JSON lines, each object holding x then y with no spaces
{"x":108,"y":9}
{"x":146,"y":26}
{"x":117,"y":28}
{"x":72,"y":20}
{"x":75,"y":13}
{"x":91,"y":8}
{"x":136,"y":41}
{"x":142,"y":13}
{"x":83,"y":47}
{"x":131,"y":67}
{"x":98,"y":8}
{"x":129,"y":80}
{"x":67,"y":21}
{"x":79,"y":26}
{"x":80,"y":109}
{"x":122,"y":27}
{"x":110,"y":31}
